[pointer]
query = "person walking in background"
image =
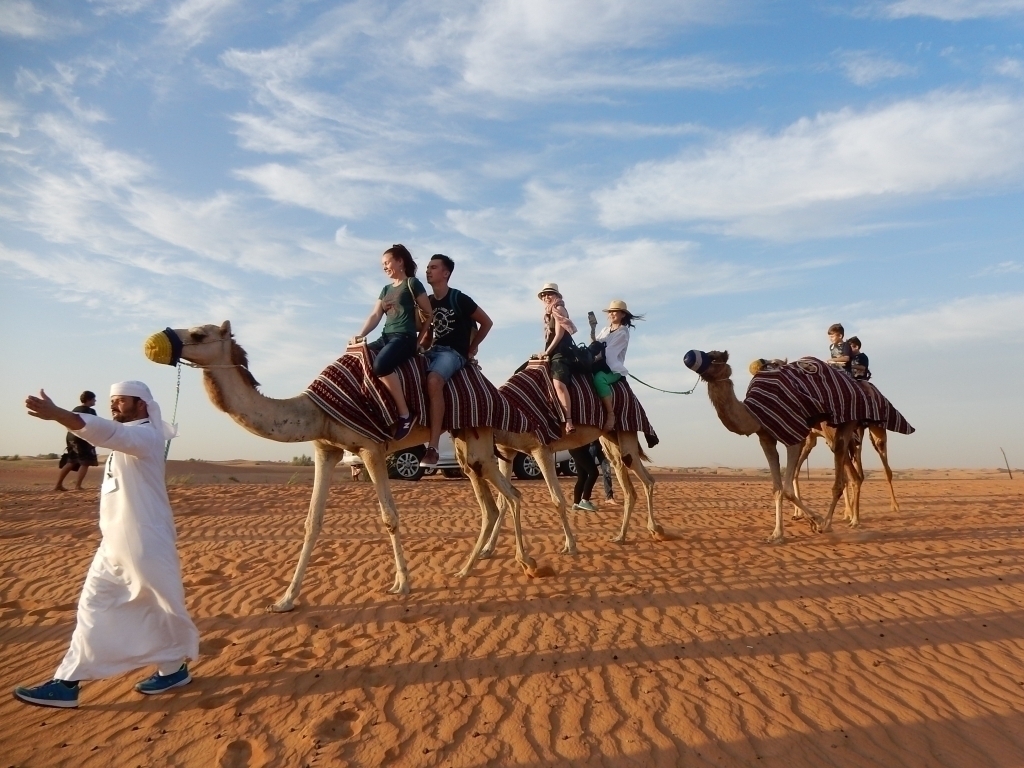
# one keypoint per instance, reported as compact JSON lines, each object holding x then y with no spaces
{"x":78,"y":454}
{"x":397,"y":343}
{"x":615,"y":337}
{"x":131,"y":612}
{"x":586,"y":476}
{"x":606,"y":471}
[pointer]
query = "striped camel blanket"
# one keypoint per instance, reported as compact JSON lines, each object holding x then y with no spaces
{"x":793,"y":398}
{"x":348,"y":392}
{"x":530,"y":390}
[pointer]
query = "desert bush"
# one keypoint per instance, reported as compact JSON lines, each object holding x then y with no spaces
{"x":302,"y":461}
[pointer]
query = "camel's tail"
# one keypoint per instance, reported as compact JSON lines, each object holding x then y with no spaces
{"x":643,"y":456}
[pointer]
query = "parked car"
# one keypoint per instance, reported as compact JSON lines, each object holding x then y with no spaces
{"x":525,"y":467}
{"x":405,"y":464}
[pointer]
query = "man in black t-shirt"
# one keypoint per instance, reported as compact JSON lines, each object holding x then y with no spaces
{"x":78,"y":454}
{"x":457,"y":327}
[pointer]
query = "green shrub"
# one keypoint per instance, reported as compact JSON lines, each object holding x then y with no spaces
{"x":302,"y":461}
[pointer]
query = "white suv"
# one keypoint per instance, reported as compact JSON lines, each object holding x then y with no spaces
{"x":405,"y":464}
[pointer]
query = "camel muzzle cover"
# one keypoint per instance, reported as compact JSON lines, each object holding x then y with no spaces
{"x":163,"y":347}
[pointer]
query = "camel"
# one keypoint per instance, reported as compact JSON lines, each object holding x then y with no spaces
{"x":233,"y":389}
{"x":713,"y":368}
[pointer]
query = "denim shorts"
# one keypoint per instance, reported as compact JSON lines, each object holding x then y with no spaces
{"x":392,"y":350}
{"x":444,"y":361}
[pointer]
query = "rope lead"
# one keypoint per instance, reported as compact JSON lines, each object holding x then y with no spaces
{"x":666,"y":391}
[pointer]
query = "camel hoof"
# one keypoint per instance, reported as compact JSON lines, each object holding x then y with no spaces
{"x":569,"y":549}
{"x":824,"y":528}
{"x":399,"y":589}
{"x":776,"y":539}
{"x":657,"y":530}
{"x":798,"y":515}
{"x":855,"y":523}
{"x":620,"y":539}
{"x":539,"y":572}
{"x":282,"y":606}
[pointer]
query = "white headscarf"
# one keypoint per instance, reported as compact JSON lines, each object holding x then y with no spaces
{"x":141,"y":391}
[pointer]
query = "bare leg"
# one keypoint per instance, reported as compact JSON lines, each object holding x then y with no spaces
{"x":562,"y":393}
{"x":82,"y":471}
{"x":326,"y":457}
{"x":609,"y":412}
{"x":393,"y":385}
{"x":64,"y":472}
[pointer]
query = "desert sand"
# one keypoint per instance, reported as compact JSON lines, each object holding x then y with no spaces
{"x":898,"y":644}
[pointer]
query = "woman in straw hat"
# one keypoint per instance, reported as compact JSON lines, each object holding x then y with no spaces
{"x":558,"y":343}
{"x":616,"y":340}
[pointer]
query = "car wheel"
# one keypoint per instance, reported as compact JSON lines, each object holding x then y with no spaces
{"x":568,"y":467}
{"x":525,"y":467}
{"x":404,"y":465}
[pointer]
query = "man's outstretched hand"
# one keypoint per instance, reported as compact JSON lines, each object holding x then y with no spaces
{"x":44,"y":408}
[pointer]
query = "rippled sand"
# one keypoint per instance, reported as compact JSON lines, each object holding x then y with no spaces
{"x":898,"y":644}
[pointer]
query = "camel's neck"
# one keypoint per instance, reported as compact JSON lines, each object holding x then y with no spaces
{"x":734,"y":415}
{"x":295,"y":420}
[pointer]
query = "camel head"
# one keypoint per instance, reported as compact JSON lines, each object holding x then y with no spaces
{"x":204,"y":346}
{"x":710,"y":366}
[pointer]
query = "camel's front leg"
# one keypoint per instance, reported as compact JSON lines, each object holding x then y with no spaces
{"x":613,"y":451}
{"x":771,"y":452}
{"x":854,"y":480}
{"x":508,"y":495}
{"x":326,"y":457}
{"x":880,"y":440}
{"x":375,"y":464}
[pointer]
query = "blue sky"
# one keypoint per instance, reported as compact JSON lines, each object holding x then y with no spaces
{"x":745,"y":174}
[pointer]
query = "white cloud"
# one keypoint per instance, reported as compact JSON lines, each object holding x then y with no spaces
{"x":628,"y":131}
{"x":867,"y":67}
{"x":953,"y":10}
{"x":9,"y":118}
{"x":1011,"y":68}
{"x":1002,"y":268}
{"x":830,"y":168}
{"x":191,"y":21}
{"x":20,"y":18}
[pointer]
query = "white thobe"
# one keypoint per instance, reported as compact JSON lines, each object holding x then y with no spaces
{"x":132,"y":610}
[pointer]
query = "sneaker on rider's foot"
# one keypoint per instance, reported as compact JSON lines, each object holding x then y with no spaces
{"x":430,"y":458}
{"x":586,"y":506}
{"x":159,"y":683}
{"x":403,"y":426}
{"x":55,"y":693}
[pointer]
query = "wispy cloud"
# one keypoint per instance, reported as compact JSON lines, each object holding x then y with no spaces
{"x":835,"y":165}
{"x":953,"y":10}
{"x":868,"y":67}
{"x":191,"y":21}
{"x":627,"y":130}
{"x":1011,"y":68}
{"x":1002,"y":268}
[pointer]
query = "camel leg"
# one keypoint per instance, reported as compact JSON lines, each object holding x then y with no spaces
{"x":614,"y":453}
{"x":841,"y":450}
{"x":377,"y":468}
{"x":808,"y":446}
{"x":326,"y":457}
{"x":854,"y":480}
{"x":505,"y":467}
{"x":771,"y":452}
{"x":511,"y":497}
{"x":488,"y":516}
{"x":546,"y":461}
{"x":880,"y":440}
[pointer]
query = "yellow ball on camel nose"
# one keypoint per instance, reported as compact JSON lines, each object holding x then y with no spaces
{"x":158,"y":348}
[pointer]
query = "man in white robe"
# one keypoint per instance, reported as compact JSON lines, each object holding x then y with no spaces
{"x":132,"y":609}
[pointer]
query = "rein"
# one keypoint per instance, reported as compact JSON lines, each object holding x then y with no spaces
{"x":666,"y":391}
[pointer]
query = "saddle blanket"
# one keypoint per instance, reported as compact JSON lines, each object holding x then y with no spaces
{"x":794,"y":397}
{"x":349,"y":392}
{"x":531,"y":391}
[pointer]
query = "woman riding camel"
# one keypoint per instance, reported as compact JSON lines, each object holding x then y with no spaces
{"x":558,"y":344}
{"x":616,"y":339}
{"x":398,"y":299}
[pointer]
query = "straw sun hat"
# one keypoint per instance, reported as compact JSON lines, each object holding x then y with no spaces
{"x":549,"y":288}
{"x":616,"y":305}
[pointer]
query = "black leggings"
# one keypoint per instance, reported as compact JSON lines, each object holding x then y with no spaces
{"x":586,"y":473}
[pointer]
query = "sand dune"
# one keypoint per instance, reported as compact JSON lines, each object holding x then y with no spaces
{"x":901,"y":643}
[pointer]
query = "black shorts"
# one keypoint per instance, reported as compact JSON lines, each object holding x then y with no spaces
{"x":560,"y":368}
{"x":78,"y":453}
